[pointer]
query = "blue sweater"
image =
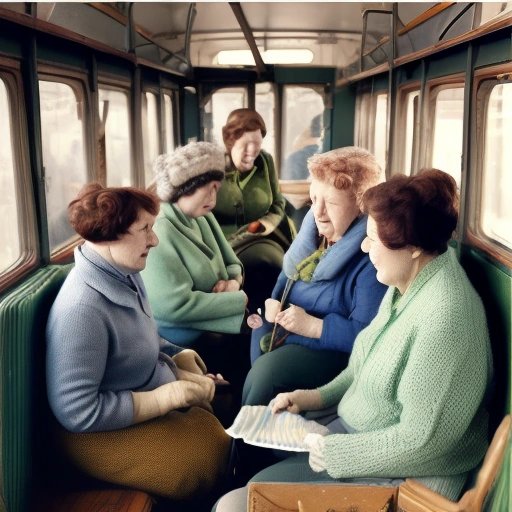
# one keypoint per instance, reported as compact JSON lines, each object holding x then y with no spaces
{"x":344,"y":291}
{"x":102,"y":343}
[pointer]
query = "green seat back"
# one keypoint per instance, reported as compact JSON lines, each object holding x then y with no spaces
{"x":23,"y":315}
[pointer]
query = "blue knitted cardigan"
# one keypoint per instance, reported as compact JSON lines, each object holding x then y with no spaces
{"x":102,"y":344}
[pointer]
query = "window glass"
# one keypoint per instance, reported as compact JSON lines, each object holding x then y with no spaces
{"x":64,"y":161}
{"x":168,"y":124}
{"x":150,"y":134}
{"x":362,"y":126}
{"x":216,"y":111}
{"x":265,"y":105}
{"x":448,"y":130}
{"x":303,"y":109}
{"x":411,"y":118}
{"x":380,"y":131}
{"x":496,"y":211}
{"x":10,"y":249}
{"x":114,"y":143}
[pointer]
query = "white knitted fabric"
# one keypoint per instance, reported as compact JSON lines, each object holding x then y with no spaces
{"x":174,"y":169}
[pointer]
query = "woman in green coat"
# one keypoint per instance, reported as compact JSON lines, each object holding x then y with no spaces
{"x":193,"y":278}
{"x":250,"y":207}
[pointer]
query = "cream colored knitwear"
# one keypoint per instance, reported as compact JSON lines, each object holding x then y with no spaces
{"x":174,"y":169}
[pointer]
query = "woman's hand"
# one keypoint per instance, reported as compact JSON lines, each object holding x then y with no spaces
{"x":297,"y":401}
{"x":295,"y":319}
{"x":230,"y":285}
{"x":271,"y":309}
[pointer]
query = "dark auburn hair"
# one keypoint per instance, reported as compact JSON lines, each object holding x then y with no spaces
{"x":101,"y":214}
{"x":419,"y":210}
{"x":190,"y":186}
{"x":240,"y":121}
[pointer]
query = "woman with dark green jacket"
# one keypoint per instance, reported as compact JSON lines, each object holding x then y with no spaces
{"x":250,"y":207}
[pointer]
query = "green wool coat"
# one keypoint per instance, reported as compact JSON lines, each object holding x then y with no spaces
{"x":415,"y":385}
{"x":249,"y":196}
{"x":191,"y":257}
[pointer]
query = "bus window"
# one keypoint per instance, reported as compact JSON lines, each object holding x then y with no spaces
{"x":447,"y":127}
{"x":361,"y":132}
{"x":303,"y":108}
{"x":168,"y":124}
{"x":222,"y":102}
{"x":64,"y":160}
{"x":10,"y":249}
{"x":407,"y":130}
{"x":150,"y":134}
{"x":380,"y":130}
{"x":114,"y":143}
{"x":265,"y":105}
{"x":496,"y":210}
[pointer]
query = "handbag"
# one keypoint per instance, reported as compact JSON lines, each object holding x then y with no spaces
{"x":320,"y":497}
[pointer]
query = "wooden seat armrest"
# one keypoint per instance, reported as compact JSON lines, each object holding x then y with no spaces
{"x":413,"y":496}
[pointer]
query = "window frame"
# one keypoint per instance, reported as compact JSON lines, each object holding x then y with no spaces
{"x":474,"y":233}
{"x":75,"y":80}
{"x":432,"y":89}
{"x":10,"y":73}
{"x":399,"y":160}
{"x":114,"y":83}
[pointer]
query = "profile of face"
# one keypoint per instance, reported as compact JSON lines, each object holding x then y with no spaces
{"x":131,"y":249}
{"x":395,"y":267}
{"x":246,"y":149}
{"x":201,"y":201}
{"x":334,"y":210}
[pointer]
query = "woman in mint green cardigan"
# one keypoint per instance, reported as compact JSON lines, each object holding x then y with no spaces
{"x":193,"y":278}
{"x":411,"y":402}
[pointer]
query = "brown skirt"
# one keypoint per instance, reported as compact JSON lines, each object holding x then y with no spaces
{"x":179,"y":456}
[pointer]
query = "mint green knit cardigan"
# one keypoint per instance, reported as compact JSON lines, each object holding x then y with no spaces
{"x":415,"y":385}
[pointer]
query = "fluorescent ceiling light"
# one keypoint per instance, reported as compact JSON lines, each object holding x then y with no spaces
{"x":284,"y":56}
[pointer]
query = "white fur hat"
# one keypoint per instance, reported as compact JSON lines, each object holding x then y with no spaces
{"x":174,"y":169}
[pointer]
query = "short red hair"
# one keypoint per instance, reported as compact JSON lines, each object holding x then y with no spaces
{"x":100,"y":214}
{"x":420,"y":210}
{"x":240,"y":121}
{"x":349,"y":168}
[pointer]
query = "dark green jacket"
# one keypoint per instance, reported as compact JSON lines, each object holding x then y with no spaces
{"x":250,"y":196}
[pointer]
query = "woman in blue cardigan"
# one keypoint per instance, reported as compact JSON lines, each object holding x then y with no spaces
{"x":128,"y":412}
{"x":327,"y":291}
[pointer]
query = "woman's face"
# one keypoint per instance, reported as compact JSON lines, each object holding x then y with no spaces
{"x":395,"y":267}
{"x":246,"y":149}
{"x":334,"y":209}
{"x":201,"y":202}
{"x":131,"y":250}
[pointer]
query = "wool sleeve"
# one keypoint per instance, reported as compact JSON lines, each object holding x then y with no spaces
{"x":77,"y":350}
{"x":440,"y":392}
{"x":276,"y":211}
{"x":339,"y":329}
{"x":233,"y":265}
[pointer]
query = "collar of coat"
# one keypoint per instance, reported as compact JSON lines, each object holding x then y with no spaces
{"x":334,"y":259}
{"x":108,"y":280}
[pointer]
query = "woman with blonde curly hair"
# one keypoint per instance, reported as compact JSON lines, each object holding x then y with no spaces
{"x":327,"y":291}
